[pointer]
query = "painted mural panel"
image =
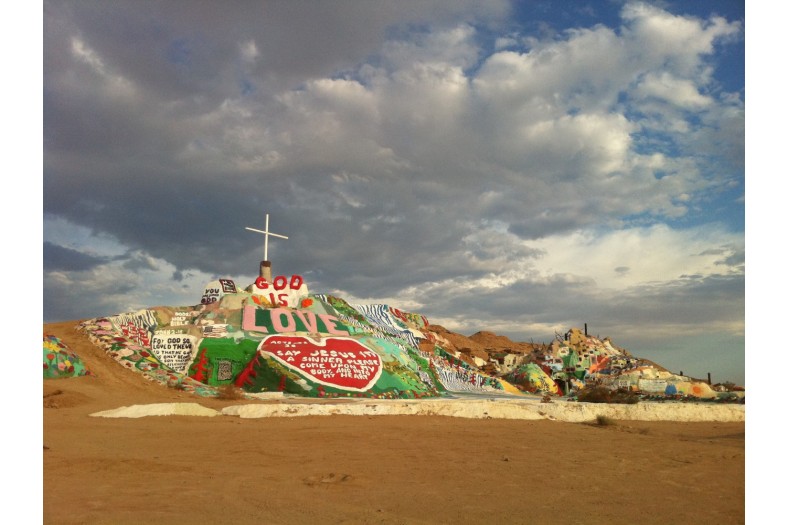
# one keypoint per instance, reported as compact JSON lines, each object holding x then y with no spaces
{"x":215,"y":290}
{"x":393,"y":321}
{"x":457,"y":376}
{"x":652,"y":385}
{"x":130,"y":354}
{"x":286,"y":320}
{"x":219,"y":361}
{"x":410,"y":319}
{"x":60,"y":361}
{"x":137,"y":325}
{"x":175,"y":351}
{"x":281,"y":291}
{"x":182,"y":318}
{"x":532,"y":378}
{"x":339,"y":362}
{"x":342,"y":309}
{"x":695,"y":389}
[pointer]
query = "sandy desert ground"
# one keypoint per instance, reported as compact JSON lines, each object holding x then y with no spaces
{"x":367,"y":469}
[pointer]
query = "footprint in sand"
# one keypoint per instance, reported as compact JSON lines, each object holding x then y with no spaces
{"x":327,"y":479}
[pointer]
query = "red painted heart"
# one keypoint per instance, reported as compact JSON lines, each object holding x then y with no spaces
{"x":340,"y":362}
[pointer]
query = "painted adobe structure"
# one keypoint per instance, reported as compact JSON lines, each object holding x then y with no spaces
{"x":578,"y":360}
{"x":277,"y":337}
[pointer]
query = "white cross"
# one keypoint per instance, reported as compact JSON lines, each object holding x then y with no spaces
{"x":266,"y":233}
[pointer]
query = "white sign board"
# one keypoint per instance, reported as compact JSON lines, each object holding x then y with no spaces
{"x":175,"y":351}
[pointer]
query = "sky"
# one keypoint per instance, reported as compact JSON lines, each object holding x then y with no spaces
{"x":521,"y":167}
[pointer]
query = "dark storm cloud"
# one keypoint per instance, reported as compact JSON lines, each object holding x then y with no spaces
{"x":58,"y":257}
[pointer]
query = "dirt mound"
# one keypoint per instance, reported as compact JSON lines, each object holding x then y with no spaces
{"x":649,"y":362}
{"x":493,"y":343}
{"x":460,"y":342}
{"x":57,"y":398}
{"x":483,"y":341}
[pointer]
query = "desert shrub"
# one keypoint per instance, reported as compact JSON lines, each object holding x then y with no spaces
{"x":625,"y":397}
{"x":230,"y":392}
{"x":600,"y":394}
{"x":604,"y":421}
{"x":594,"y":395}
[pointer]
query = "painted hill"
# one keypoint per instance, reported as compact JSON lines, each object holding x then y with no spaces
{"x":278,"y":338}
{"x":60,"y":361}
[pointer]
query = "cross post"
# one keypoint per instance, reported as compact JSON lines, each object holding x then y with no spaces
{"x":266,"y":264}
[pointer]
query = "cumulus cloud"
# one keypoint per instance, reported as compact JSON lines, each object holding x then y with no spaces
{"x":615,"y":278}
{"x":431,"y":153}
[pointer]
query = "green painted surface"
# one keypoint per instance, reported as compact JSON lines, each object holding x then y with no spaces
{"x":219,"y":361}
{"x":227,"y":354}
{"x":60,"y":361}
